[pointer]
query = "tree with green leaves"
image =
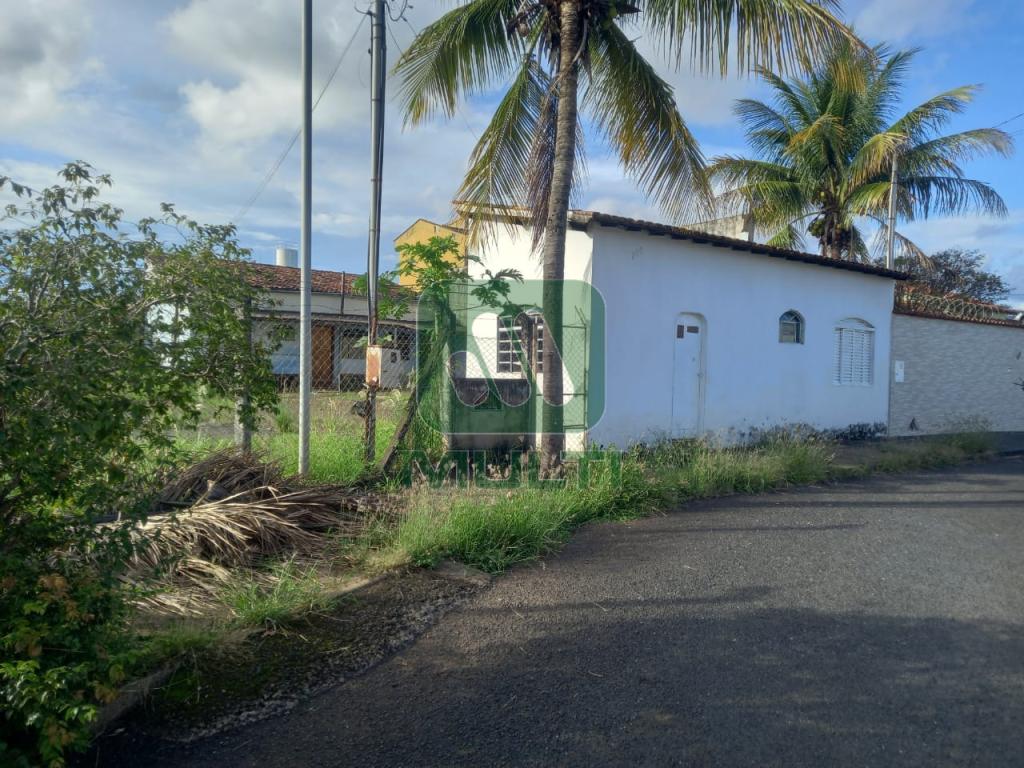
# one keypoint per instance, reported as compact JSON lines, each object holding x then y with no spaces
{"x":561,"y":56}
{"x":957,"y":273}
{"x":110,"y":337}
{"x":824,"y":149}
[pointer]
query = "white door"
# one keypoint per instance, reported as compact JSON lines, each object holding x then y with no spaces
{"x":688,"y":376}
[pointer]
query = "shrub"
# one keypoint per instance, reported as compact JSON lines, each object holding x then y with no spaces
{"x":108,"y":340}
{"x":62,"y":612}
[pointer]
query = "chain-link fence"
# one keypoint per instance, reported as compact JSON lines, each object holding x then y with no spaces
{"x":482,"y":386}
{"x":338,"y":402}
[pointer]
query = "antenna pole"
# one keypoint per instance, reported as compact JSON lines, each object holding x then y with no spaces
{"x":305,"y":227}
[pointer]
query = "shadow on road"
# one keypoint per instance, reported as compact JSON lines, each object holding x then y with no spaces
{"x":765,"y":687}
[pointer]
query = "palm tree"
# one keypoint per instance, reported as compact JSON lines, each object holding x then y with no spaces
{"x":825,"y":150}
{"x":551,"y":52}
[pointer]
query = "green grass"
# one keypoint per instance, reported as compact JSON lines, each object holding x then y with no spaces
{"x":910,"y":454}
{"x":149,"y":650}
{"x":335,"y":442}
{"x":694,"y":470}
{"x":494,"y":529}
{"x":291,"y":591}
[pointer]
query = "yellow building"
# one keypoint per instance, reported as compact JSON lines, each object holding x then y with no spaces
{"x":421,"y":231}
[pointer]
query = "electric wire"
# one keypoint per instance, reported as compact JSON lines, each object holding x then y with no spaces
{"x":295,"y":137}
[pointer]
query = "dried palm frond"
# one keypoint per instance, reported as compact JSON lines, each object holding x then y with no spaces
{"x":231,"y":511}
{"x":239,"y":528}
{"x":221,"y":474}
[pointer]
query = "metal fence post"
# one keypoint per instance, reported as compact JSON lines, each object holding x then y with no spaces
{"x":243,"y":431}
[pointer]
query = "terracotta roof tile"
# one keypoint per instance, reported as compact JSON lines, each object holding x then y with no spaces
{"x":275,"y":278}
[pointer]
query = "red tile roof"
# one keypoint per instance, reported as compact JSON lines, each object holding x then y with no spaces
{"x":275,"y":278}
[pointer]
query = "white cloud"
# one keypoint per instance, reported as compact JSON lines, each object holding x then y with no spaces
{"x":1002,"y":240}
{"x":41,"y":57}
{"x":206,"y":97}
{"x":249,"y":55}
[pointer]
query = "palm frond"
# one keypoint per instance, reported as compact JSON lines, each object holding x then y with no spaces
{"x":788,"y":99}
{"x":499,"y":164}
{"x":882,"y":94}
{"x":934,"y":113}
{"x":790,"y":237}
{"x":778,"y":34}
{"x":904,"y":247}
{"x":768,"y":130}
{"x":956,"y":148}
{"x":637,"y":112}
{"x":871,"y":198}
{"x":459,"y":54}
{"x":540,"y":167}
{"x":947,"y":195}
{"x":825,"y":146}
{"x":875,"y":156}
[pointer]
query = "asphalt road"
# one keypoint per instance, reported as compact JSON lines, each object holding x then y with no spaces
{"x":870,"y":623}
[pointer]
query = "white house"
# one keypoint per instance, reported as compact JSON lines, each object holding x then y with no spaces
{"x":339,"y":326}
{"x":705,"y":334}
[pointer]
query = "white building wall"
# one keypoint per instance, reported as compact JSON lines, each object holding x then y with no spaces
{"x":506,"y":249}
{"x":751,"y":380}
{"x":955,"y":375}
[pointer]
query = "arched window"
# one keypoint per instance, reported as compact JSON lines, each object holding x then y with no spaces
{"x":853,"y":359}
{"x":791,"y":328}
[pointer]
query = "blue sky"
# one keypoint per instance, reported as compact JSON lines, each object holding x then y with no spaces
{"x":191,"y":102}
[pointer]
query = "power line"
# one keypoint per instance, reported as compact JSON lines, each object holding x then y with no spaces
{"x":284,"y":154}
{"x":401,"y":13}
{"x":394,"y":39}
{"x":1009,"y":120}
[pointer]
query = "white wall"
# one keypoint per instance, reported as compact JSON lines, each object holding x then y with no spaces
{"x":502,"y":248}
{"x":506,"y":249}
{"x":751,"y":380}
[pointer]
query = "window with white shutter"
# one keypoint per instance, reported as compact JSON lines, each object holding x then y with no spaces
{"x":853,"y":361}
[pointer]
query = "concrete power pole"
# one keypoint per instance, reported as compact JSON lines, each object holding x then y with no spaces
{"x":305,"y":227}
{"x":378,"y":68}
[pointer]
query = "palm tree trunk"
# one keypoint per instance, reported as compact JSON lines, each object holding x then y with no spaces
{"x":553,"y":438}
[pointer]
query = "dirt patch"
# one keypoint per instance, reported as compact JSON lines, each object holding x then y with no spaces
{"x":269,"y":672}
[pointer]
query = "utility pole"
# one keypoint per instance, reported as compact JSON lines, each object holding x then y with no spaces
{"x":305,"y":234}
{"x":891,"y":234}
{"x":378,"y":64}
